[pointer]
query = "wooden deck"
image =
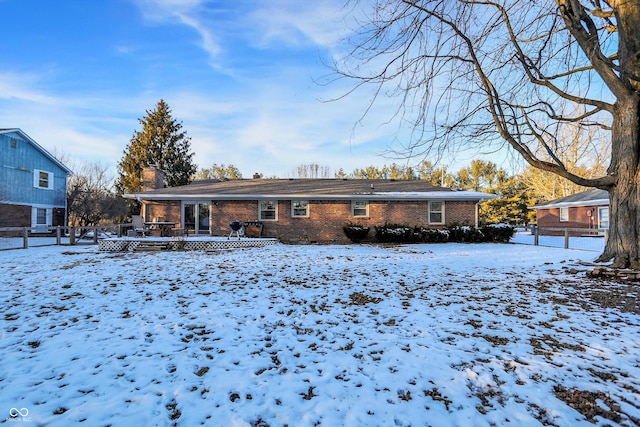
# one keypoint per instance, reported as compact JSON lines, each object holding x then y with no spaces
{"x":192,"y":243}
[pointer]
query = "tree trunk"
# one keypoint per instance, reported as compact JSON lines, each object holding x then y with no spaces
{"x":623,"y":244}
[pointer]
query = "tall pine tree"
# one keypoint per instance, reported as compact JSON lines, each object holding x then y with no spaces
{"x":162,"y":143}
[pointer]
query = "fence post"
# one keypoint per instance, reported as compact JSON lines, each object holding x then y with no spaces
{"x":566,"y":238}
{"x":536,"y":235}
{"x":72,"y":235}
{"x":25,"y":238}
{"x":95,"y":235}
{"x":58,"y":236}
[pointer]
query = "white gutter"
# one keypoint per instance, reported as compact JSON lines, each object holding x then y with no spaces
{"x":407,"y":196}
{"x":595,"y":202}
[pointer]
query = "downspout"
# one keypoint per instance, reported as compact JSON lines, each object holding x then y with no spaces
{"x":478,"y":212}
{"x":66,"y":200}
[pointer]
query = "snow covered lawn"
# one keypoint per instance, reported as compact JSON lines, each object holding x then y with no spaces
{"x":421,"y":335}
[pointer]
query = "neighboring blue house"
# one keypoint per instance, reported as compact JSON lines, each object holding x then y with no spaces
{"x":33,"y":183}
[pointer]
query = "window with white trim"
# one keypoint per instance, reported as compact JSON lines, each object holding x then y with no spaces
{"x":564,"y":214}
{"x":603,"y":218}
{"x":41,"y":216}
{"x":268,"y":210}
{"x":43,"y":179}
{"x":359,"y":208}
{"x":40,"y":219}
{"x":436,"y":212}
{"x":299,"y":208}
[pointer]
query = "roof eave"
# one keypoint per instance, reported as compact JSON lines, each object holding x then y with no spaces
{"x":595,"y":202}
{"x":444,"y":195}
{"x":40,"y":149}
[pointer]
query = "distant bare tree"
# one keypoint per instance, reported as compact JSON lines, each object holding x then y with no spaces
{"x":583,"y":154}
{"x":312,"y":170}
{"x":91,"y":196}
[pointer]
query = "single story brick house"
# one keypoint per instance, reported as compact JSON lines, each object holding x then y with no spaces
{"x":304,"y":210}
{"x":585,"y":210}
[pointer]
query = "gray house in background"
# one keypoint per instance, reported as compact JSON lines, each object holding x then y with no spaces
{"x":33,"y":183}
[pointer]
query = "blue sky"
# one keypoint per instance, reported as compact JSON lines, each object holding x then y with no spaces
{"x":240,"y":75}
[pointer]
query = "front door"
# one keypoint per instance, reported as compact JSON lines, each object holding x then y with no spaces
{"x":195,"y":217}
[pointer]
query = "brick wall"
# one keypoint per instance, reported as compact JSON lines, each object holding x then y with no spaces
{"x":578,"y":218}
{"x":15,"y":216}
{"x":57,"y":217}
{"x":170,"y":210}
{"x":326,"y":218}
{"x":152,"y":178}
{"x":462,"y":213}
{"x":20,"y":216}
{"x":325,"y":221}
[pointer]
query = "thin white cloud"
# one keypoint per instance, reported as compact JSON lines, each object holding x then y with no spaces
{"x":23,"y":87}
{"x":187,"y":12}
{"x":293,"y":21}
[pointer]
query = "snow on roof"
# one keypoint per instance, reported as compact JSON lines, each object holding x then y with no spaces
{"x":453,"y":195}
{"x":593,"y":197}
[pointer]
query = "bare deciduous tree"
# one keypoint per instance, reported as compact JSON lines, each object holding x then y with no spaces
{"x":579,"y":157}
{"x":517,"y":72}
{"x":91,"y":196}
{"x":312,"y":170}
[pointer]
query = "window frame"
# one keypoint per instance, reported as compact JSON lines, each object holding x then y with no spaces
{"x":354,"y":208}
{"x":38,"y":179}
{"x":440,"y":211}
{"x":306,"y":209}
{"x":39,"y":213}
{"x":602,"y":221}
{"x":563,"y":214}
{"x":261,"y":210}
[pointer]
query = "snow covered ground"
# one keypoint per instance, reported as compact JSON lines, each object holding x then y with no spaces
{"x":421,"y":335}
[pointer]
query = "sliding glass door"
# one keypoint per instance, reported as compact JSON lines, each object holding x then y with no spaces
{"x":195,"y":217}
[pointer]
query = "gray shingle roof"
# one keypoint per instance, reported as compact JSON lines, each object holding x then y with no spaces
{"x":257,"y":189}
{"x":585,"y":198}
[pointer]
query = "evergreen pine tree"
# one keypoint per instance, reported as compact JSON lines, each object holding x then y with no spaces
{"x":162,"y":143}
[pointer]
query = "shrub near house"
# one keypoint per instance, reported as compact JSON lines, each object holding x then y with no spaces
{"x":394,"y":233}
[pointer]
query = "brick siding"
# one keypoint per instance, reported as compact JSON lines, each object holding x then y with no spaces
{"x":169,"y":210}
{"x":20,"y":216}
{"x":15,"y":216}
{"x":325,"y":221}
{"x":578,"y":218}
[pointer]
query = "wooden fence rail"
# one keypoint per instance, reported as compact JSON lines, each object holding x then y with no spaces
{"x":75,"y":234}
{"x":568,"y":233}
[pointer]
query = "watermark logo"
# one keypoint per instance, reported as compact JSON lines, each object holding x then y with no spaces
{"x":19,"y":415}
